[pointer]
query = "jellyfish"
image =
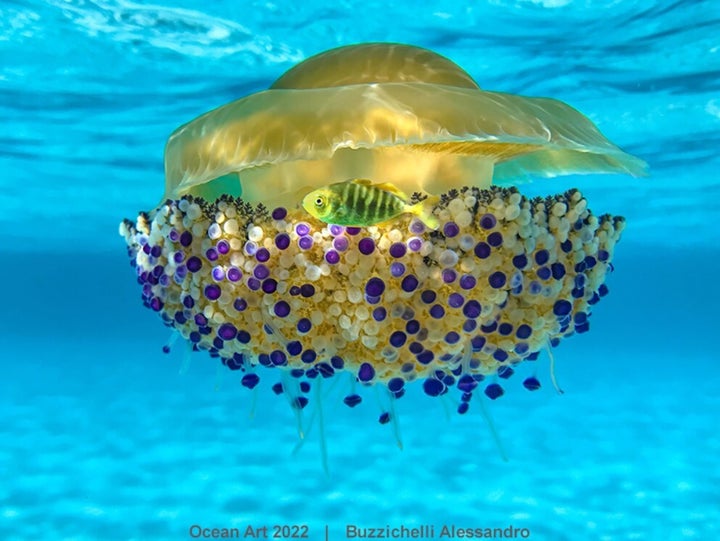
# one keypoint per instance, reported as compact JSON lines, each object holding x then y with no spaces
{"x":231,"y":261}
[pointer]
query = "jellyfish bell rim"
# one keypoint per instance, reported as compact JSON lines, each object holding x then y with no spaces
{"x":281,"y":139}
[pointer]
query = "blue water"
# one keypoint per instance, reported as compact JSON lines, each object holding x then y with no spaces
{"x":102,"y":439}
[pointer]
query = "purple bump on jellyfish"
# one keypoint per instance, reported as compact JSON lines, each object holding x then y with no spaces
{"x":417,"y":227}
{"x":186,"y":238}
{"x":497,"y":279}
{"x":409,"y":283}
{"x":352,"y":400}
{"x":282,"y":241}
{"x":397,"y":269}
{"x":227,"y":331}
{"x":495,"y":239}
{"x":332,"y":257}
{"x":468,"y":281}
{"x":194,"y":264}
{"x":366,"y":372}
{"x":304,"y":325}
{"x":466,"y":383}
{"x":397,"y":339}
{"x":269,"y":285}
{"x":433,"y":387}
{"x":450,"y":229}
{"x":455,"y":300}
{"x":472,"y":309}
{"x":398,"y":250}
{"x":374,"y":287}
{"x":233,"y":274}
{"x":307,"y":290}
{"x":494,"y":391}
{"x":261,"y":272}
{"x":212,"y":292}
{"x":562,"y":308}
{"x":414,"y":244}
{"x":223,"y":247}
{"x":366,"y":246}
{"x":482,"y":250}
{"x":488,"y":221}
{"x":449,"y":276}
{"x":281,"y":309}
{"x":250,"y":380}
{"x":240,"y":304}
{"x":340,"y":243}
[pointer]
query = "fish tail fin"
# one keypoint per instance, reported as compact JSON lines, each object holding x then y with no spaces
{"x":424,"y":211}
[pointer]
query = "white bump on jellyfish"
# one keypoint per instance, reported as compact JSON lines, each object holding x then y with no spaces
{"x":390,"y":354}
{"x":312,"y":272}
{"x":394,"y":235}
{"x":512,"y":212}
{"x":193,"y":211}
{"x":255,"y":233}
{"x":354,"y":295}
{"x":214,"y":231}
{"x":516,"y":279}
{"x":448,"y":258}
{"x":463,"y":218}
{"x":466,"y":242}
{"x":369,"y":342}
{"x":397,"y":310}
{"x":426,"y":248}
{"x":231,"y":227}
{"x":339,"y":295}
{"x":456,"y":206}
{"x":345,"y":322}
{"x":371,"y":327}
{"x":317,"y":317}
{"x":559,"y":209}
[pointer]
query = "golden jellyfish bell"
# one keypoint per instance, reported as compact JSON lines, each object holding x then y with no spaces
{"x":388,"y":112}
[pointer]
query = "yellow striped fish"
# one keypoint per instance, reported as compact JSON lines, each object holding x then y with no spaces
{"x":360,"y":203}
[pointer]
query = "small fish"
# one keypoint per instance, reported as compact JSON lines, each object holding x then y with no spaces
{"x":360,"y":203}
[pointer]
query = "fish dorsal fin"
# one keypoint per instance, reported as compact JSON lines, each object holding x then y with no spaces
{"x":362,"y":181}
{"x":389,"y":187}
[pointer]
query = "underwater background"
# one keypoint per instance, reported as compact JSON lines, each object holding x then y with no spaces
{"x":102,"y":439}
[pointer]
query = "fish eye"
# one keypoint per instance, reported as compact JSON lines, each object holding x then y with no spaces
{"x":319,"y":201}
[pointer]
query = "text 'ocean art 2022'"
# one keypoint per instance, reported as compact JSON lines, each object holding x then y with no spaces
{"x":358,"y":220}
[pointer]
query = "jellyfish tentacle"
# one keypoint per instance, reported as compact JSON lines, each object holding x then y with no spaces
{"x":321,"y":426}
{"x":491,"y":426}
{"x":395,"y":420}
{"x":172,"y":339}
{"x":187,"y":357}
{"x":548,"y":348}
